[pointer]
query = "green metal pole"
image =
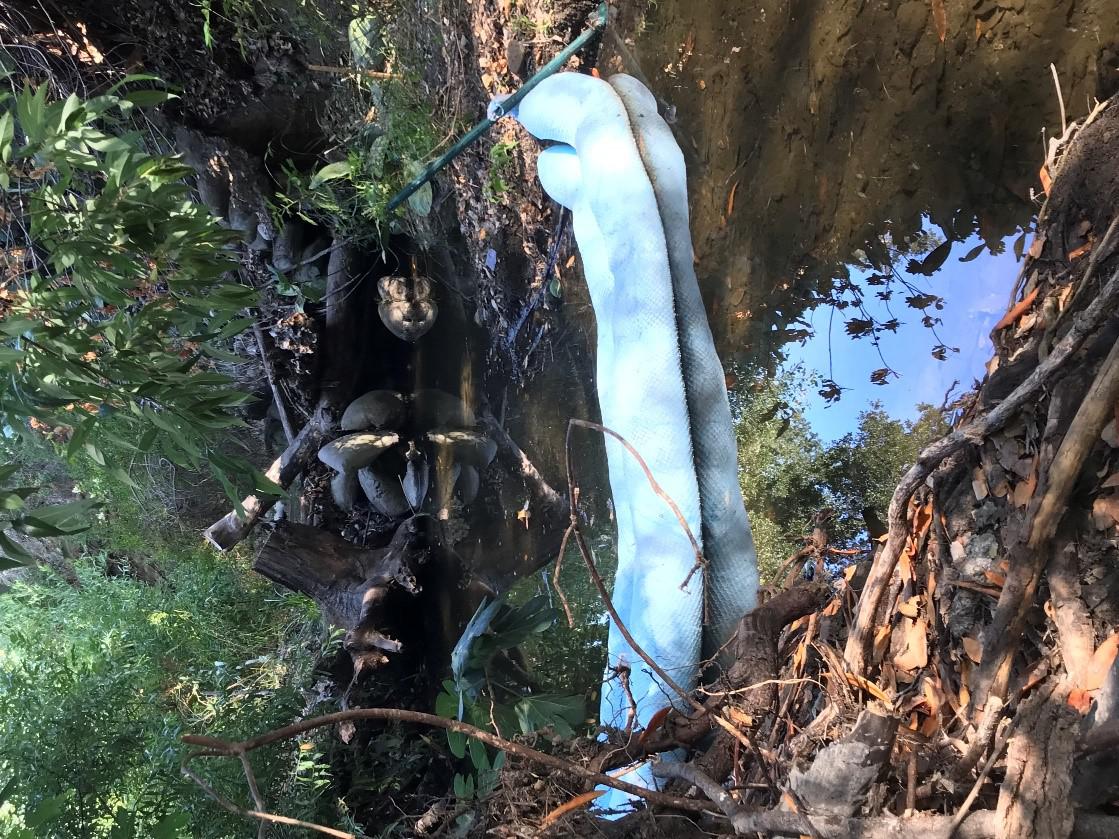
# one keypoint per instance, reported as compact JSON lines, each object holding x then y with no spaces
{"x":499,"y":111}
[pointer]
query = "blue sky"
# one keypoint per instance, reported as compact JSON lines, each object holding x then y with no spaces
{"x":976,"y":295}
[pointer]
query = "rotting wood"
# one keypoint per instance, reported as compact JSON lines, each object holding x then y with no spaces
{"x":838,"y":780}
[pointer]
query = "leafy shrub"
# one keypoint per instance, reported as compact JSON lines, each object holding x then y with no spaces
{"x":115,"y":291}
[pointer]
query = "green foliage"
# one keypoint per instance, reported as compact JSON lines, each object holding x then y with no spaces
{"x":501,"y":161}
{"x":99,"y":679}
{"x":388,"y":129}
{"x":485,"y":694}
{"x":115,"y":297}
{"x":788,"y":474}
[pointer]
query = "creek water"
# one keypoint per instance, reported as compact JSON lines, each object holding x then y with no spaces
{"x":832,"y":140}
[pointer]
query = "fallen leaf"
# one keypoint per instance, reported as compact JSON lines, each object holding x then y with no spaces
{"x":995,"y":578}
{"x":1112,"y":481}
{"x":346,"y":732}
{"x":979,"y":483}
{"x":940,"y":18}
{"x":738,"y":717}
{"x":857,"y":681}
{"x":915,"y":655}
{"x":1046,"y":181}
{"x":973,"y":649}
{"x":1110,"y":434}
{"x":1076,"y":253}
{"x":1105,"y":511}
{"x":730,"y":199}
{"x":574,"y":804}
{"x":1102,"y":659}
{"x":655,"y":722}
{"x":1024,"y":490}
{"x":911,"y":607}
{"x":1080,"y":700}
{"x":1017,"y":310}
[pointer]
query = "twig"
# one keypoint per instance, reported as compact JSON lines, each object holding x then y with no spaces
{"x":214,"y":747}
{"x":965,"y":808}
{"x":556,"y":581}
{"x":270,"y":375}
{"x":858,"y":641}
{"x":346,"y":71}
{"x":700,"y":562}
{"x":596,"y":578}
{"x":226,"y":804}
{"x":1060,"y":98}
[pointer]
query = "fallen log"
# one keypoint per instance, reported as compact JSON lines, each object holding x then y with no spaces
{"x":349,"y":583}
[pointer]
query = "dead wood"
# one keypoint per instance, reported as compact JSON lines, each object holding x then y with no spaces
{"x":1019,"y":593}
{"x":1035,"y":799}
{"x":839,"y":778}
{"x":348,"y":583}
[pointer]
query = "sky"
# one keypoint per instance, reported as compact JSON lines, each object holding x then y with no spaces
{"x":976,"y":295}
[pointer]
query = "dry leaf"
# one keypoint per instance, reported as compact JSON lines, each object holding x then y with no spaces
{"x":865,"y":684}
{"x":940,"y":18}
{"x":1111,"y":482}
{"x":346,"y":732}
{"x":574,"y":804}
{"x":1105,"y":511}
{"x":738,"y":717}
{"x":1024,"y":491}
{"x":911,"y":607}
{"x":973,"y":649}
{"x":995,"y":578}
{"x":1018,"y":309}
{"x":1046,"y":181}
{"x":655,"y":722}
{"x":1035,"y":246}
{"x":1076,"y":253}
{"x":979,"y":483}
{"x":1110,"y":435}
{"x":730,"y":199}
{"x":1080,"y":700}
{"x":915,"y":655}
{"x":1102,"y":659}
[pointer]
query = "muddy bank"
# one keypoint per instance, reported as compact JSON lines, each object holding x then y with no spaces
{"x":812,"y":129}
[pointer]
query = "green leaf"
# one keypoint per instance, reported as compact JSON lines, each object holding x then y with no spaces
{"x":13,"y":552}
{"x":330,"y":172}
{"x":7,"y":132}
{"x":478,"y":754}
{"x":57,"y":519}
{"x":95,"y":454}
{"x":456,"y":741}
{"x":171,"y":827}
{"x":46,"y":813}
{"x":7,"y":470}
{"x":974,"y":252}
{"x":132,"y":77}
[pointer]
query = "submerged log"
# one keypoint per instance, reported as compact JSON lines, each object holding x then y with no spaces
{"x":349,"y":583}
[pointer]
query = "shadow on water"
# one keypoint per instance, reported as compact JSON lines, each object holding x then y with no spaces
{"x":816,"y":133}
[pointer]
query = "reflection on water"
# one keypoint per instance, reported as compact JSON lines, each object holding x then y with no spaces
{"x":817,"y":132}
